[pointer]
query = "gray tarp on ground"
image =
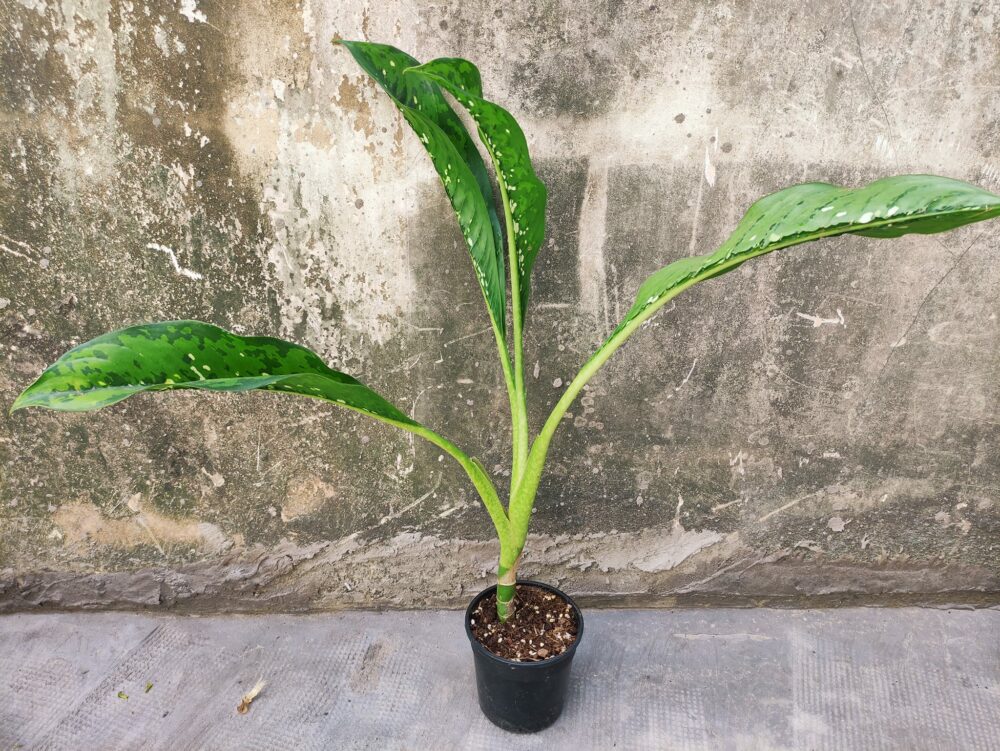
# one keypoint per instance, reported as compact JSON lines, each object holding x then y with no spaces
{"x":644,"y":679}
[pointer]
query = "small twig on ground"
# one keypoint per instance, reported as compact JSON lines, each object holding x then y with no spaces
{"x":244,"y":706}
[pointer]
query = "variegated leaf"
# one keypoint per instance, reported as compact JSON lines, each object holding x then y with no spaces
{"x":194,"y":355}
{"x":506,"y":144}
{"x":456,"y":160}
{"x":890,"y":207}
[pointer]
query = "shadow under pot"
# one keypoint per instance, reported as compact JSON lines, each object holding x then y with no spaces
{"x":522,"y":697}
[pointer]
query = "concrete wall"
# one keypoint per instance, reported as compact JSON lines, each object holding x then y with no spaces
{"x":822,"y":424}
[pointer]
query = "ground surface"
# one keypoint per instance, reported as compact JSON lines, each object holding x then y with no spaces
{"x":643,"y":679}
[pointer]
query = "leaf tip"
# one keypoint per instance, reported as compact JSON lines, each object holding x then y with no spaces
{"x":348,"y":44}
{"x":21,"y":402}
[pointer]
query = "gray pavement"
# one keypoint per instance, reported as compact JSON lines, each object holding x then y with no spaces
{"x":854,"y":678}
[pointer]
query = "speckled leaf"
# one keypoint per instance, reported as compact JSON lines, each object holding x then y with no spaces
{"x":193,"y":355}
{"x":505,"y":142}
{"x":890,"y":207}
{"x":456,"y":159}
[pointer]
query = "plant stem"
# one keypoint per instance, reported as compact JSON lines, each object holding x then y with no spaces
{"x":510,"y":546}
{"x":510,"y":554}
{"x":519,"y":511}
{"x":523,"y":495}
{"x":520,"y":422}
{"x":506,"y":581}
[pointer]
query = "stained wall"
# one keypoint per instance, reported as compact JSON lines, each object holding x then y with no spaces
{"x":821,"y":425}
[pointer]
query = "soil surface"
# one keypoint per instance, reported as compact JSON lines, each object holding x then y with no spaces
{"x":543,"y":626}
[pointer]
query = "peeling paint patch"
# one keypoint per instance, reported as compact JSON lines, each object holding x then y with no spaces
{"x":305,"y":496}
{"x":189,"y":9}
{"x":189,"y":273}
{"x":592,"y":237}
{"x":836,"y":524}
{"x":677,"y":548}
{"x":816,"y":321}
{"x":83,"y":523}
{"x":709,"y":170}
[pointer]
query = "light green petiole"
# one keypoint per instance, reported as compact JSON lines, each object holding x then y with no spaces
{"x":520,"y":420}
{"x":473,"y":468}
{"x":510,"y":549}
{"x":523,"y":496}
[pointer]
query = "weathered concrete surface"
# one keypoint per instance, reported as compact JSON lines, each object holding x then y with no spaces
{"x":829,"y":416}
{"x":853,"y":678}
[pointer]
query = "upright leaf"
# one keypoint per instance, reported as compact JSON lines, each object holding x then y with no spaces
{"x":891,"y":207}
{"x":194,"y":355}
{"x":505,"y":142}
{"x":456,"y":159}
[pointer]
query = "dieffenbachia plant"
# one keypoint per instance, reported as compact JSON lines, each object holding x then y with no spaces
{"x":194,"y":355}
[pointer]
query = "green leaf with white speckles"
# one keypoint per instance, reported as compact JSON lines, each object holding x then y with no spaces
{"x":886,"y":208}
{"x":193,"y":355}
{"x":506,"y":144}
{"x":456,"y":160}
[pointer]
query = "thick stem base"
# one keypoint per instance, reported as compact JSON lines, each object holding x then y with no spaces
{"x":506,"y":579}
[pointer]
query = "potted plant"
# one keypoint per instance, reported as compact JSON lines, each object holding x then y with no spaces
{"x":523,"y":634}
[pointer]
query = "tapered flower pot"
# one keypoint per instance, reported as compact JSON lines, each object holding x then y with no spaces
{"x":522,"y":697}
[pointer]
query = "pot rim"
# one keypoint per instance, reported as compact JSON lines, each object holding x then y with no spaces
{"x":565,"y":655}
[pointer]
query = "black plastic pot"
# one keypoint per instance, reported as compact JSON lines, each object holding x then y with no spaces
{"x":522,"y":697}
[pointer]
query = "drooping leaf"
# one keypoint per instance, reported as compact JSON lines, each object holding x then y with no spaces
{"x":193,"y":355}
{"x":506,"y":144}
{"x":886,"y":208}
{"x":456,"y":160}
